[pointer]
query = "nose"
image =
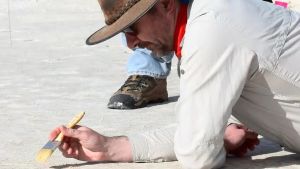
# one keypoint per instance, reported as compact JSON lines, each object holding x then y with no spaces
{"x":132,"y":40}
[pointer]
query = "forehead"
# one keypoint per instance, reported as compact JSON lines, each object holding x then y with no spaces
{"x":109,"y":4}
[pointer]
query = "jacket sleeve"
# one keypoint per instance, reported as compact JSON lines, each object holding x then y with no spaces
{"x":154,"y":145}
{"x":213,"y":73}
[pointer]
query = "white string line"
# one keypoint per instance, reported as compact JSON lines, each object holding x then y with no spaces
{"x":9,"y":23}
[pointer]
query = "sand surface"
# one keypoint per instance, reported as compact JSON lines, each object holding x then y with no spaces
{"x":48,"y":74}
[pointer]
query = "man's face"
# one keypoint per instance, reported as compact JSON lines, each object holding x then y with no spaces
{"x":153,"y":31}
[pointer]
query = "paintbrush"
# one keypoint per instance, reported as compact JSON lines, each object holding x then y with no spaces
{"x":50,"y":146}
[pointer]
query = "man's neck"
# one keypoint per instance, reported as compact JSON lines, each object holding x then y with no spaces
{"x":177,"y":5}
{"x":177,"y":2}
{"x":181,"y":20}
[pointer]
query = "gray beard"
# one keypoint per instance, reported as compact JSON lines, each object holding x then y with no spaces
{"x":163,"y":55}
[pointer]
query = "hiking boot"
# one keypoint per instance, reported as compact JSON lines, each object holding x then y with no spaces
{"x":138,"y":91}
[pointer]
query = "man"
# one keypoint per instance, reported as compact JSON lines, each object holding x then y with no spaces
{"x":143,"y":68}
{"x":228,"y":67}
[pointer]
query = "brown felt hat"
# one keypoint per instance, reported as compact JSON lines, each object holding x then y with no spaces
{"x":119,"y":15}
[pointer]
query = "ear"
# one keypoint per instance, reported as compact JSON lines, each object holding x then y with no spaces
{"x":169,"y":5}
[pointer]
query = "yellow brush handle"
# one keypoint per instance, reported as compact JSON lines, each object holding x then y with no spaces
{"x":71,"y":124}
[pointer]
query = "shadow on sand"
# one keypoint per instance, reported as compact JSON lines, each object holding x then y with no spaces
{"x":170,"y":100}
{"x":281,"y":161}
{"x":77,"y":165}
{"x":265,"y":147}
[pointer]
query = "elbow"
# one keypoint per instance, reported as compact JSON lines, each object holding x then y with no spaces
{"x":200,"y":156}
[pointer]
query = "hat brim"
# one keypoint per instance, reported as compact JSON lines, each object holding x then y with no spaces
{"x":127,"y":19}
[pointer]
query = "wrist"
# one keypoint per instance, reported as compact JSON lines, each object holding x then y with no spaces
{"x":118,"y":149}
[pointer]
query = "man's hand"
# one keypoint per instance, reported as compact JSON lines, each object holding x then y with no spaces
{"x":238,"y":140}
{"x":85,"y":144}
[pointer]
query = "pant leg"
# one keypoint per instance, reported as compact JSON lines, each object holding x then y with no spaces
{"x":142,"y":62}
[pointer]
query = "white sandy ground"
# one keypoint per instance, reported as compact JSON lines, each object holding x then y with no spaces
{"x":48,"y":74}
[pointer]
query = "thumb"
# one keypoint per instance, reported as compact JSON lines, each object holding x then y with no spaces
{"x":69,"y":132}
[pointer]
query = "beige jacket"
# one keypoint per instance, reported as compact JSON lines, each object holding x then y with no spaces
{"x":243,"y":62}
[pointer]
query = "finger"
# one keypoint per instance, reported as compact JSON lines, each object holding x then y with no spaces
{"x":74,"y":144}
{"x":74,"y":147}
{"x":252,"y":147}
{"x":238,"y":154}
{"x":251,"y":144}
{"x":241,"y":151}
{"x":251,"y":135}
{"x":64,"y":146}
{"x":254,"y":141}
{"x":54,"y":133}
{"x":257,"y":141}
{"x":69,"y":151}
{"x":74,"y":133}
{"x":66,"y":154}
{"x":77,"y":127}
{"x":61,"y":149}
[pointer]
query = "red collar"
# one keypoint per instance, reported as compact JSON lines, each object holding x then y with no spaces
{"x":180,"y":29}
{"x":282,"y":3}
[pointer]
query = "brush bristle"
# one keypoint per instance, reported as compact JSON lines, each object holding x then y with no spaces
{"x":43,"y":155}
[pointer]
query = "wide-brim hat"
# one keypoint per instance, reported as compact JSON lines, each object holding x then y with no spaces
{"x":120,"y":18}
